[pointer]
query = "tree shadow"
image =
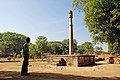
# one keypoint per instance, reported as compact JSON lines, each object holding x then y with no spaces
{"x":13,"y":75}
{"x":92,"y":65}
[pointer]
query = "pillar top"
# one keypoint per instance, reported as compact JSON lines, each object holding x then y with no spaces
{"x":70,"y":14}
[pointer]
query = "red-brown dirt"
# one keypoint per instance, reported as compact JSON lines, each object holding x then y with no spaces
{"x":42,"y":71}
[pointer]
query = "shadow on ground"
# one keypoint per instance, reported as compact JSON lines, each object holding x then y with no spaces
{"x":92,"y":65}
{"x":12,"y":75}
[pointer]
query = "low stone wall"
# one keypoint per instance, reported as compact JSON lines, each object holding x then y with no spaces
{"x":71,"y":60}
{"x":113,"y":60}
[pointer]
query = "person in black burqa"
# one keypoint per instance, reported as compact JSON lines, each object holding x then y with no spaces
{"x":24,"y":70}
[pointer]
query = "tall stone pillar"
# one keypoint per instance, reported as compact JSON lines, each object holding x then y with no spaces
{"x":70,"y":15}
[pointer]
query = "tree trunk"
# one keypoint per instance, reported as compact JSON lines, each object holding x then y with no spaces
{"x":42,"y":56}
{"x":109,"y":47}
{"x":118,"y":45}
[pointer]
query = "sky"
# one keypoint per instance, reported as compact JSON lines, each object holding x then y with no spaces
{"x":47,"y":18}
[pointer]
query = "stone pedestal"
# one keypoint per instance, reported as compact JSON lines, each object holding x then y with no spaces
{"x":113,"y":60}
{"x":71,"y":60}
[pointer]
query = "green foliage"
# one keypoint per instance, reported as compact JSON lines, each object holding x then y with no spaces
{"x":102,"y":18}
{"x":55,"y":47}
{"x":60,"y":47}
{"x":41,"y":45}
{"x":17,"y":40}
{"x":65,"y":43}
{"x":75,"y":45}
{"x":79,"y":4}
{"x":86,"y":48}
{"x":98,"y":50}
{"x":10,"y":43}
{"x":32,"y":50}
{"x":113,"y":48}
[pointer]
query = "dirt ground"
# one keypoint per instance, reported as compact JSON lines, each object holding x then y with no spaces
{"x":42,"y":71}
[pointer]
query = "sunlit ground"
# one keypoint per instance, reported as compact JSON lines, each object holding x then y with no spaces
{"x":40,"y":70}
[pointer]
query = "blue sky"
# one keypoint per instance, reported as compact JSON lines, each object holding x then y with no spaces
{"x":47,"y":18}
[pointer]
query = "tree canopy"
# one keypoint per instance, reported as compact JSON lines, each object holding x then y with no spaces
{"x":41,"y":44}
{"x":55,"y":47}
{"x":11,"y":43}
{"x":102,"y":18}
{"x":86,"y":48}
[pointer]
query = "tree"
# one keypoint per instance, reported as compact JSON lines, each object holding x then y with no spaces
{"x":60,"y":47}
{"x":81,"y":49}
{"x":10,"y":42}
{"x":75,"y":45}
{"x":1,"y":37}
{"x":86,"y":48}
{"x":55,"y":47}
{"x":113,"y":48}
{"x":49,"y":48}
{"x":65,"y":43}
{"x":33,"y":51}
{"x":102,"y":18}
{"x":17,"y":39}
{"x":41,"y":45}
{"x":98,"y":49}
